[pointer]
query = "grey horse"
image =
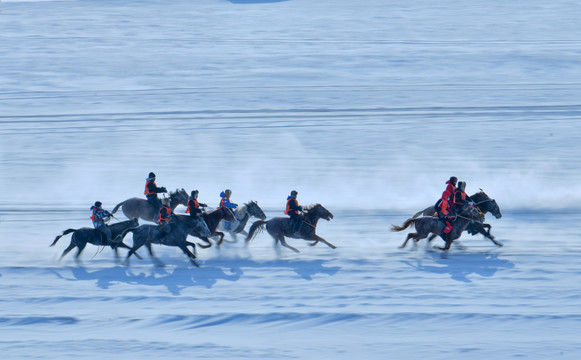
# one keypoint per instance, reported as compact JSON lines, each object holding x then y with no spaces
{"x":180,"y":229}
{"x":279,"y":227}
{"x":431,"y":224}
{"x":141,"y":208}
{"x":81,"y":237}
{"x":485,"y":204}
{"x":241,"y":216}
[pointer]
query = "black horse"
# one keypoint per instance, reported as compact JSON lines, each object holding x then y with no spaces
{"x":430,"y":224}
{"x":485,"y":204}
{"x":180,"y":229}
{"x":81,"y":237}
{"x":280,"y":227}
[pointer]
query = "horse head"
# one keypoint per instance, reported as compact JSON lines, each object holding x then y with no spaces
{"x":495,"y":209}
{"x":486,"y":204}
{"x":255,"y":210}
{"x":318,"y":211}
{"x":180,"y":196}
{"x":198,"y":224}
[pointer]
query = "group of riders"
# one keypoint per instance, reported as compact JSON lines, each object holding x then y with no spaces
{"x":100,"y":216}
{"x":452,"y":202}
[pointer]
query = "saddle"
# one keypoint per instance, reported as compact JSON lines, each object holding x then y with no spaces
{"x":296,"y":226}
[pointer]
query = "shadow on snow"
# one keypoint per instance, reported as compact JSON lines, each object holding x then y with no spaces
{"x":485,"y":264}
{"x":177,"y":279}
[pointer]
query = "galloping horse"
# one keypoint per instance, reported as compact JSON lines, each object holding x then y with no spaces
{"x":241,"y":216}
{"x":431,"y":224}
{"x":485,"y":204}
{"x":180,"y":229}
{"x":85,"y":235}
{"x":141,"y":208}
{"x":212,"y":220}
{"x":279,"y":227}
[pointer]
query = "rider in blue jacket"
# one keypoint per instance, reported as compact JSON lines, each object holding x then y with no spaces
{"x":225,"y":204}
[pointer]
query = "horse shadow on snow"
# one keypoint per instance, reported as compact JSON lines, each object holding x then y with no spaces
{"x":460,"y":265}
{"x":179,"y":278}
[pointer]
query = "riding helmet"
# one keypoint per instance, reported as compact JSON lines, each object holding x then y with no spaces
{"x":151,"y":176}
{"x":98,"y":204}
{"x":294,"y":193}
{"x":228,"y":192}
{"x":454,"y":180}
{"x":195,"y":193}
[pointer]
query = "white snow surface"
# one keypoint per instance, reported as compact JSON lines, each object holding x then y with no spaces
{"x":365,"y":107}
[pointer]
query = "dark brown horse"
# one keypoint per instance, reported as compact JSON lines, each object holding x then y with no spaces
{"x":83,"y":236}
{"x":431,"y":224}
{"x":485,"y":204}
{"x":141,"y":208}
{"x":212,"y":220}
{"x":280,"y":227}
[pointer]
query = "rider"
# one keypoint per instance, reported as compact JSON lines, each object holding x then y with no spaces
{"x":292,"y":210}
{"x":460,"y":197}
{"x":151,"y":191}
{"x":193,"y":205}
{"x":164,"y":215}
{"x":444,"y":206}
{"x":226,"y":205}
{"x":99,"y":215}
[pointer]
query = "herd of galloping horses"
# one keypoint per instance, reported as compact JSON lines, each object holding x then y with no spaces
{"x":212,"y":224}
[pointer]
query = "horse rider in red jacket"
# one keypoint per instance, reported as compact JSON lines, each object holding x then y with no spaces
{"x":444,"y":206}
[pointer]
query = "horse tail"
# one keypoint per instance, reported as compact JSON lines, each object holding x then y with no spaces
{"x":417,"y":214}
{"x":405,"y":225}
{"x":117,"y":207}
{"x":257,"y":225}
{"x":67,"y":231}
{"x":124,"y":232}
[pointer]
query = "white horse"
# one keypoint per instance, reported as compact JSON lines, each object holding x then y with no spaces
{"x":241,"y":216}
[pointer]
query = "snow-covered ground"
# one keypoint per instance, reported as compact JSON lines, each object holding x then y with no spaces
{"x":365,"y":107}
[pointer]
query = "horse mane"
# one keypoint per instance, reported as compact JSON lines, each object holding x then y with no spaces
{"x":306,"y":209}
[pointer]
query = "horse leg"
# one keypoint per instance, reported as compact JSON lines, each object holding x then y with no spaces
{"x":318,"y":238}
{"x":187,"y":251}
{"x":221,"y":234}
{"x":81,"y":247}
{"x":283,"y":242}
{"x":193,"y":245}
{"x":68,"y":249}
{"x":206,"y":240}
{"x":136,"y":245}
{"x":157,"y":261}
{"x":432,"y":237}
{"x":410,"y":235}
